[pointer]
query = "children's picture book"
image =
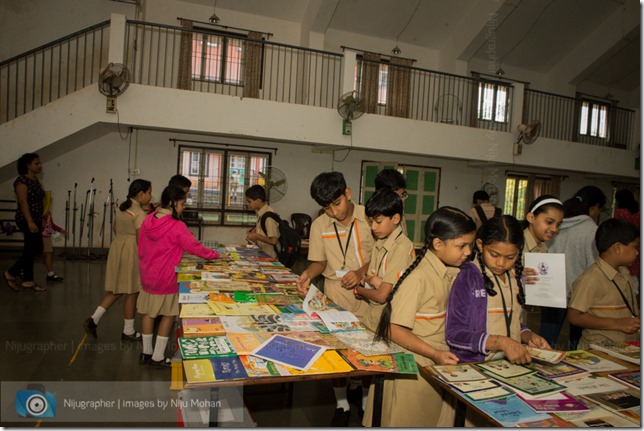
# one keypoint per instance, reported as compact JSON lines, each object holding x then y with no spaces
{"x":196,"y":311}
{"x":192,"y":296}
{"x":284,"y":277}
{"x":265,"y":288}
{"x":401,"y":363}
{"x":268,"y":323}
{"x":621,"y":399}
{"x":560,"y":402}
{"x":340,"y":320}
{"x":510,"y":411}
{"x":188,"y":276}
{"x":363,"y":342}
{"x":458,"y":373}
{"x":277,"y":299}
{"x":630,"y":378}
{"x":489,"y":394}
{"x":550,"y":356}
{"x":246,"y":342}
{"x":329,"y":340}
{"x":198,"y":371}
{"x":228,"y":368}
{"x":558,"y":372}
{"x":591,"y":385}
{"x":623,"y":351}
{"x":531,"y":385}
{"x":220,"y":297}
{"x":244,"y":297}
{"x":205,"y":347}
{"x":330,"y":362}
{"x":590,"y":362}
{"x":315,"y":301}
{"x":290,"y":352}
{"x":258,"y":367}
{"x":202,"y":327}
{"x":239,"y":309}
{"x":504,"y":368}
{"x":214,"y":276}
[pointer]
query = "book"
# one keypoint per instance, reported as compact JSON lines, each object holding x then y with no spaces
{"x":550,"y":356}
{"x":277,"y":299}
{"x":329,"y":340}
{"x":591,"y":385}
{"x":258,"y":367}
{"x":284,"y":277}
{"x":363,"y":342}
{"x":560,"y":402}
{"x":590,"y":362}
{"x":633,"y":414}
{"x":198,"y":371}
{"x":504,"y":368}
{"x":595,"y":416}
{"x":458,"y":373}
{"x":479,"y":390}
{"x":531,"y":385}
{"x":631,"y":378}
{"x":616,"y":400}
{"x":558,"y":372}
{"x":623,"y":351}
{"x":228,"y":368}
{"x":191,"y":296}
{"x":205,"y":347}
{"x":290,"y":352}
{"x":246,"y":342}
{"x":196,"y":311}
{"x":239,"y":309}
{"x":244,"y":297}
{"x":214,"y":276}
{"x":268,"y":323}
{"x":550,"y":422}
{"x":340,"y":320}
{"x":202,"y":327}
{"x":401,"y":363}
{"x":330,"y":362}
{"x":509,"y":411}
{"x":315,"y":301}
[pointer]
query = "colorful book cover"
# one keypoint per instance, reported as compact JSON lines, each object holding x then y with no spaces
{"x":289,"y":309}
{"x":340,"y":320}
{"x":220,"y":297}
{"x":560,"y":402}
{"x":285,"y":277}
{"x":631,"y":378}
{"x":188,"y":276}
{"x":558,"y":372}
{"x":250,"y":276}
{"x":623,"y":351}
{"x":285,"y":286}
{"x":202,"y":327}
{"x":246,"y":342}
{"x":214,"y":276}
{"x":239,"y":309}
{"x":617,"y":400}
{"x":229,"y":368}
{"x":198,"y":371}
{"x":504,"y":368}
{"x":268,"y":323}
{"x":510,"y":411}
{"x":278,"y":299}
{"x":531,"y":385}
{"x":265,"y":288}
{"x":458,"y":373}
{"x":191,"y":296}
{"x":590,"y":362}
{"x":244,"y":297}
{"x":258,"y":367}
{"x":205,"y":347}
{"x":330,"y":362}
{"x":316,"y":301}
{"x":550,"y":356}
{"x":196,"y":311}
{"x":287,"y":351}
{"x":382,"y":363}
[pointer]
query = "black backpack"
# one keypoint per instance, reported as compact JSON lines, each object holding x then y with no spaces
{"x":289,"y":240}
{"x":497,"y":213}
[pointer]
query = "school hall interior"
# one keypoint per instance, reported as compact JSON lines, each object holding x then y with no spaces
{"x":516,"y":97}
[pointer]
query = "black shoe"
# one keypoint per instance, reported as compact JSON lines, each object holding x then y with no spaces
{"x":354,"y":396}
{"x":163,"y":363}
{"x":144,"y":359}
{"x":54,"y":278}
{"x":341,"y":418}
{"x":134,"y":337}
{"x":90,"y":328}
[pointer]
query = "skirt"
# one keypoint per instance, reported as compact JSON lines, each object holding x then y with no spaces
{"x":158,"y":305}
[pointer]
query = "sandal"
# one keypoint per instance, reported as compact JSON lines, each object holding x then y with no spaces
{"x":11,"y":282}
{"x":35,"y":287}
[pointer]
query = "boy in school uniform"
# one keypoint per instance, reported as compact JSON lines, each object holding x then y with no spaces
{"x":394,"y":180}
{"x":266,"y":240}
{"x":340,"y":245}
{"x":603,"y":301}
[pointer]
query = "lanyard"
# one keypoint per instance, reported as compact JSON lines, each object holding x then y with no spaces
{"x":346,"y":246}
{"x":624,"y":298}
{"x":506,"y":316}
{"x":385,"y":255}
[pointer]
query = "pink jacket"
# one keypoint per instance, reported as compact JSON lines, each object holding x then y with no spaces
{"x":162,"y":242}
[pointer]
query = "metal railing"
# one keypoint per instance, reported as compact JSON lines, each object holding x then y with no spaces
{"x":52,"y":71}
{"x":560,"y":115}
{"x":287,"y":73}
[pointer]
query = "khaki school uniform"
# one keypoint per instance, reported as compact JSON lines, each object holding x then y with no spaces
{"x":594,"y":292}
{"x":420,"y":304}
{"x":530,"y":244}
{"x":272,"y":230}
{"x":390,"y":257}
{"x":324,"y":245}
{"x":488,"y":210}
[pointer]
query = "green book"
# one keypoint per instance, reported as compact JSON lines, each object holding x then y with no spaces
{"x":405,"y":363}
{"x":244,"y":297}
{"x":206,"y":347}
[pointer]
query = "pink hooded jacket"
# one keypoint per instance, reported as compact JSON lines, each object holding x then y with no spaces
{"x":162,"y":242}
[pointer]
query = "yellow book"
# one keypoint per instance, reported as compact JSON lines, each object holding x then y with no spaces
{"x":239,"y":309}
{"x":246,"y":342}
{"x":329,"y":362}
{"x":198,"y":370}
{"x":196,"y":311}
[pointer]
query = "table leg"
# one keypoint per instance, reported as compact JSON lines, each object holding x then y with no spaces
{"x":461,"y":411}
{"x":214,"y":410}
{"x":377,"y":400}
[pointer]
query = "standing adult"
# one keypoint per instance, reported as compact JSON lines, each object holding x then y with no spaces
{"x":576,"y":239}
{"x":483,"y":210}
{"x":627,"y":208}
{"x":30,"y":195}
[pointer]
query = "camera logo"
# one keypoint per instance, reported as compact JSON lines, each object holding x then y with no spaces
{"x":35,"y":402}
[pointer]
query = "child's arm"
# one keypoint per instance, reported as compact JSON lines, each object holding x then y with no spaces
{"x":254,"y":236}
{"x":379,"y":294}
{"x":628,"y":325}
{"x":352,"y":278}
{"x":190,"y":244}
{"x":407,"y":339}
{"x":313,"y":270}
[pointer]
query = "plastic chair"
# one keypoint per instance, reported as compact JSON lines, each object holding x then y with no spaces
{"x":302,"y":224}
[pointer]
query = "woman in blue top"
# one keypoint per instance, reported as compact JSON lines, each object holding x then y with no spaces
{"x":485,"y":303}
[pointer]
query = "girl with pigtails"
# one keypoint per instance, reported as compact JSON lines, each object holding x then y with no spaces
{"x":414,"y":318}
{"x":487,"y":298}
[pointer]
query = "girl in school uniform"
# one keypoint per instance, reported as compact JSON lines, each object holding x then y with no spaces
{"x":486,"y":300}
{"x":164,"y":238}
{"x":122,"y":269}
{"x":414,"y":318}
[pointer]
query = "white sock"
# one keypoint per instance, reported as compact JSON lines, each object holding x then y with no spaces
{"x":147,"y":344}
{"x":128,"y":327}
{"x":354,"y":383}
{"x":159,"y":348}
{"x":365,"y":396}
{"x":341,"y":401}
{"x":51,"y":273}
{"x":98,"y":314}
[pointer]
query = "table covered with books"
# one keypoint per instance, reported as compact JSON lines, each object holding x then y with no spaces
{"x":242,"y":323}
{"x":594,"y":388}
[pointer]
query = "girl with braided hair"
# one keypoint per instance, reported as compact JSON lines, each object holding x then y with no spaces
{"x":414,"y":318}
{"x":487,"y":298}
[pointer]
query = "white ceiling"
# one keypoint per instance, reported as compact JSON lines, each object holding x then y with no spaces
{"x":529,"y":34}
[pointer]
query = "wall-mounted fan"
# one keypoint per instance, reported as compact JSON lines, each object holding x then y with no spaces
{"x":350,"y":107}
{"x":112,"y":82}
{"x":274,"y":181}
{"x":491,"y":190}
{"x":528,"y":133}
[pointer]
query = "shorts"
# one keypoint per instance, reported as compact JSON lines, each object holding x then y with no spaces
{"x":157,"y":305}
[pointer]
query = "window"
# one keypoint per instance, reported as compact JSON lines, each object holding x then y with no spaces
{"x":521,"y":190}
{"x":217,"y":58}
{"x":219,"y":179}
{"x":593,"y":119}
{"x":493,"y":102}
{"x":382,"y":79}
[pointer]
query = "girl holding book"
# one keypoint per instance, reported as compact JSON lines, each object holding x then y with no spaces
{"x":164,"y":238}
{"x":414,"y":318}
{"x":487,"y":298}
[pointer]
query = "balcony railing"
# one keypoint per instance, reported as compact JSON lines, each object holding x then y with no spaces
{"x":230,"y":64}
{"x":52,"y":71}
